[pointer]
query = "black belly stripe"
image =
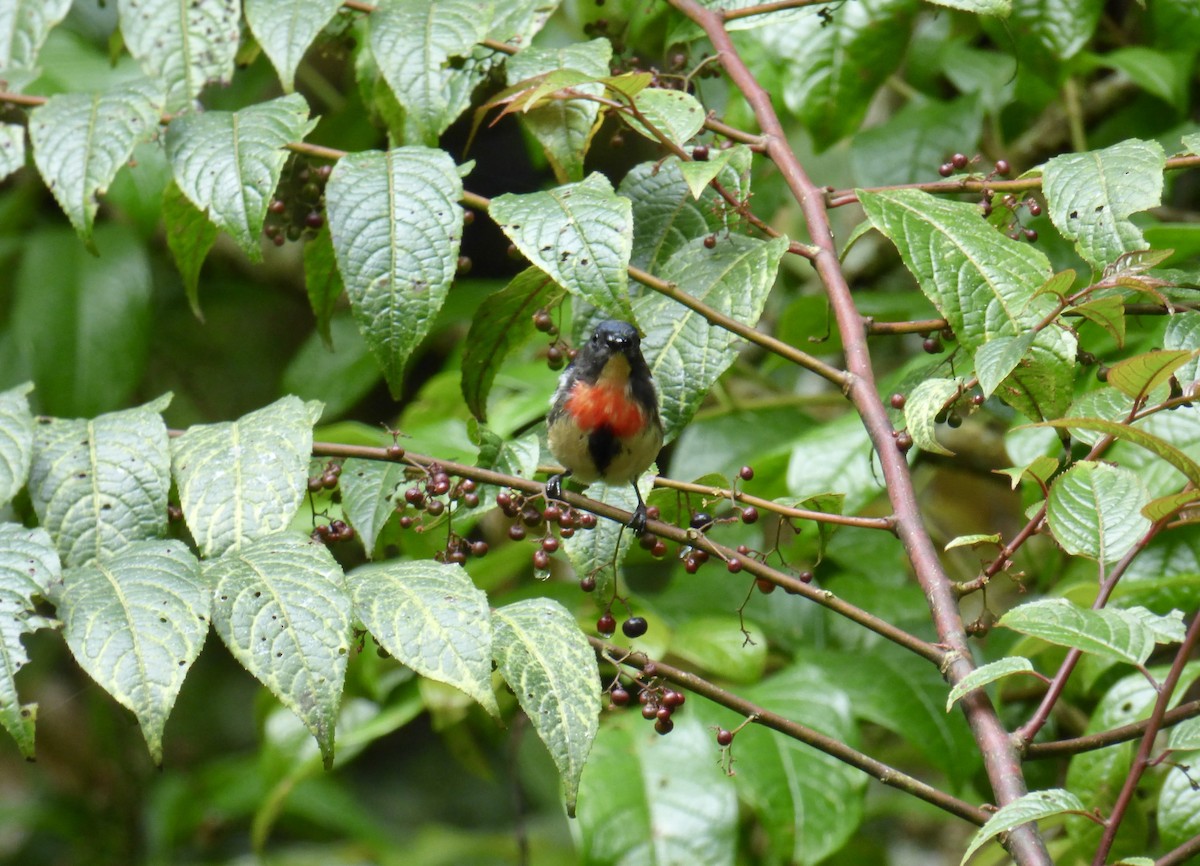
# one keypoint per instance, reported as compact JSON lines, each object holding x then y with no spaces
{"x":603,"y":446}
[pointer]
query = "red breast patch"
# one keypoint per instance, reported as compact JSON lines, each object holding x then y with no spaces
{"x":604,"y":405}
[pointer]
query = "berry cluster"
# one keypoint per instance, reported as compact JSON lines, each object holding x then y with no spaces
{"x":557,"y":353}
{"x":335,"y":530}
{"x":433,"y":496}
{"x":960,"y":162}
{"x":297,"y":210}
{"x":658,"y":701}
{"x":1015,"y":229}
{"x":527,"y":517}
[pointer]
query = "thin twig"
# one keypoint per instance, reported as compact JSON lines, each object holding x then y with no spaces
{"x":1103,"y":739}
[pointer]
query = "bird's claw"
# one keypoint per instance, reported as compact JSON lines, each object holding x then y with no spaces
{"x":554,"y":487}
{"x":638,"y":522}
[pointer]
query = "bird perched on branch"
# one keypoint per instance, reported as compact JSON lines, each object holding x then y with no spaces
{"x":604,"y":423}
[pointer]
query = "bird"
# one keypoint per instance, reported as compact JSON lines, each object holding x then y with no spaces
{"x":604,"y":423}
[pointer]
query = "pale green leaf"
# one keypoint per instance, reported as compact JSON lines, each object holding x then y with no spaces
{"x":24,"y":25}
{"x":997,"y":358}
{"x":396,"y":227}
{"x":979,"y":7}
{"x":1178,"y":807}
{"x":836,"y":455}
{"x":371,"y":494}
{"x":551,"y":668}
{"x":1165,"y":506}
{"x":28,"y":567}
{"x":1165,"y":74}
{"x":16,"y":441}
{"x":989,"y":673}
{"x":1094,"y":510}
{"x":1040,"y":470}
{"x":975,"y":540}
{"x":687,"y":355}
{"x":1141,"y":374}
{"x":280,"y":604}
{"x":432,"y":618}
{"x":421,"y":46}
{"x":190,"y":235}
{"x":581,"y":234}
{"x":286,"y":30}
{"x":80,"y":141}
{"x":12,"y":148}
{"x":1150,"y":442}
{"x":243,"y":480}
{"x":1108,"y":312}
{"x":228,"y":163}
{"x":1127,"y":635}
{"x":676,"y":115}
{"x":922,"y":407}
{"x":1090,"y":196}
{"x":99,"y":485}
{"x":722,"y":646}
{"x":135,"y":621}
{"x":1031,"y":807}
{"x":599,"y":552}
{"x":1183,"y":332}
{"x":183,"y":45}
{"x":699,"y":173}
{"x":1185,"y":735}
{"x":1060,"y":27}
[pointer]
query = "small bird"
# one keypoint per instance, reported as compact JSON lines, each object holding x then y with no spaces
{"x":603,"y":423}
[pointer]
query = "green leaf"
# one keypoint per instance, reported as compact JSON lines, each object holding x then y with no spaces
{"x":396,"y":228}
{"x":228,"y":163}
{"x":28,"y":567}
{"x":371,"y":493}
{"x":551,"y":668}
{"x":581,"y":234}
{"x":698,"y":174}
{"x":286,"y":31}
{"x":687,"y":355}
{"x":563,"y":127}
{"x":99,"y":485}
{"x":974,"y":540}
{"x":1060,"y":27}
{"x":979,"y":7}
{"x":322,"y":281}
{"x":24,"y":25}
{"x":16,"y":441}
{"x":1183,"y":332}
{"x":989,"y":673}
{"x":1094,"y":510}
{"x":1040,"y":470}
{"x":1108,"y":312}
{"x":183,"y":45}
{"x":81,"y":140}
{"x":838,"y":456}
{"x":420,"y":46}
{"x":135,"y":621}
{"x":718,"y":645}
{"x":339,"y":376}
{"x":1031,"y":807}
{"x":1185,"y":735}
{"x":1165,"y":506}
{"x":1127,"y":635}
{"x":1150,"y":442}
{"x":281,"y":606}
{"x":190,"y":235}
{"x":511,"y":457}
{"x":1161,"y":73}
{"x":902,"y":149}
{"x":1091,"y":195}
{"x":997,"y":358}
{"x":676,"y":115}
{"x":646,"y":799}
{"x":431,"y":617}
{"x":12,"y":148}
{"x":244,"y":480}
{"x":502,"y":324}
{"x":1178,"y":809}
{"x":1141,"y":374}
{"x":600,"y":552}
{"x":924,"y":404}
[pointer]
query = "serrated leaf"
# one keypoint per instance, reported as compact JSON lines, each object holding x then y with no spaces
{"x":370,"y":496}
{"x":1150,"y":442}
{"x":1141,"y":374}
{"x":285,"y":31}
{"x":228,"y":163}
{"x":421,"y":46}
{"x":24,"y":25}
{"x":698,"y":174}
{"x":975,"y":540}
{"x":921,"y":408}
{"x":599,"y":552}
{"x":551,"y":668}
{"x":1183,"y":332}
{"x":244,"y":480}
{"x":997,"y":358}
{"x":16,"y":441}
{"x":1041,"y":469}
{"x":581,"y":234}
{"x":1108,"y":312}
{"x":135,"y":621}
{"x":1031,"y":807}
{"x":190,"y":235}
{"x":502,"y":324}
{"x":12,"y":148}
{"x":183,"y":45}
{"x":396,"y":228}
{"x":1126,"y":635}
{"x":676,"y":115}
{"x":979,"y":7}
{"x":28,"y":567}
{"x":686,"y":354}
{"x":1094,"y":510}
{"x":431,"y":617}
{"x":80,"y":141}
{"x":1090,"y":196}
{"x":99,"y":485}
{"x":563,"y":127}
{"x":280,"y":604}
{"x":1165,"y":506}
{"x":989,"y":673}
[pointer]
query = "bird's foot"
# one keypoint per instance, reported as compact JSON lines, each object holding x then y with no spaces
{"x":638,"y":522}
{"x":554,"y":486}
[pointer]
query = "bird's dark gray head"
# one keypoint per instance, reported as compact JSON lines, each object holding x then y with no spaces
{"x":616,"y":335}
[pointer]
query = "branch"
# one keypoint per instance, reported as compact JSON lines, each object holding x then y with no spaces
{"x":1180,"y":855}
{"x":830,"y":746}
{"x":1103,"y":739}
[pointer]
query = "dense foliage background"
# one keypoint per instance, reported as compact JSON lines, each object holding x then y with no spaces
{"x":918,"y":285}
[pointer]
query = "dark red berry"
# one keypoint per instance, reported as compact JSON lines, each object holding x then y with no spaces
{"x":701,"y":519}
{"x":764,"y":586}
{"x":314,"y":220}
{"x":587,"y":584}
{"x":277,"y":207}
{"x":659,"y":549}
{"x":977,"y":399}
{"x":1034,"y":208}
{"x":724,"y":737}
{"x":463,"y":266}
{"x":734,"y":566}
{"x":531,"y":516}
{"x":619,"y":696}
{"x":932,"y":345}
{"x":690,"y":565}
{"x":664,"y":726}
{"x":566,"y":532}
{"x":479,"y":548}
{"x":897,"y":401}
{"x":1002,"y":167}
{"x":806,"y":577}
{"x":552,"y":513}
{"x":470,"y":500}
{"x":468,"y":217}
{"x":1102,"y":373}
{"x":653,"y":512}
{"x":395,"y":452}
{"x":550,"y":544}
{"x":414,"y":496}
{"x":741,"y":548}
{"x":174,"y":513}
{"x":456,"y":557}
{"x":746,"y":473}
{"x":543,"y":321}
{"x":649,"y":710}
{"x":635,"y":626}
{"x":946,"y":169}
{"x":406,"y":522}
{"x":329,"y":480}
{"x":750,"y":515}
{"x":315,"y":483}
{"x":710,"y":241}
{"x":1031,"y":235}
{"x":700,"y":153}
{"x":664,"y":713}
{"x":516,"y":532}
{"x":673,"y":699}
{"x":435,"y":507}
{"x":554,"y":358}
{"x":959,"y":160}
{"x":587,"y":520}
{"x":607,"y":624}
{"x":904,"y":440}
{"x":541,"y":560}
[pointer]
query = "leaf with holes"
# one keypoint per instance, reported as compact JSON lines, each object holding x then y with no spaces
{"x":281,"y":606}
{"x":135,"y":621}
{"x":675,"y":115}
{"x":244,"y":480}
{"x":286,"y":30}
{"x":1090,"y":196}
{"x":190,"y":235}
{"x":80,"y":141}
{"x":12,"y":148}
{"x":183,"y":45}
{"x":1094,"y":510}
{"x":24,"y":26}
{"x":102,"y":484}
{"x":228,"y":163}
{"x":396,"y":227}
{"x":989,"y":673}
{"x":1030,"y":807}
{"x":1127,"y":635}
{"x":28,"y":567}
{"x":924,"y":406}
{"x":687,"y":354}
{"x":371,"y":494}
{"x":581,"y":234}
{"x":551,"y":668}
{"x":16,"y":441}
{"x":432,"y":618}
